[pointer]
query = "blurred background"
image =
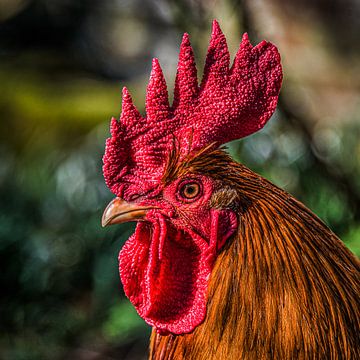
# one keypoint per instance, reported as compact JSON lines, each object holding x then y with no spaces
{"x":62,"y":66}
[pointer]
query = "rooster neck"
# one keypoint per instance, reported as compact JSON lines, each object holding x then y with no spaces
{"x":284,"y":288}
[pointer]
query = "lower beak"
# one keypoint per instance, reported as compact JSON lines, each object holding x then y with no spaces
{"x":119,"y":211}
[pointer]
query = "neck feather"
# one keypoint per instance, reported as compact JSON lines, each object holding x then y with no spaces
{"x":285,"y":287}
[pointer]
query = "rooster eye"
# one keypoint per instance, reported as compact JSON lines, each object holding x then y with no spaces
{"x":190,"y":190}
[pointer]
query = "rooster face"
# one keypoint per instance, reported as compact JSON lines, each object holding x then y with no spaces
{"x":165,"y":265}
{"x":186,"y":201}
{"x":159,"y":169}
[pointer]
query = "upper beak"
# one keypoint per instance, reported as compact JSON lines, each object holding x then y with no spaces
{"x":119,"y":211}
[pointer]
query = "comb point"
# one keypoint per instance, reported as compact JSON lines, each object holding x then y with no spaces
{"x":126,"y":99}
{"x":129,"y":114}
{"x":216,"y":30}
{"x":125,"y":92}
{"x":217,"y":59}
{"x":186,"y":84}
{"x":157,"y":100}
{"x":114,"y":127}
{"x":245,"y":38}
{"x":185,"y":39}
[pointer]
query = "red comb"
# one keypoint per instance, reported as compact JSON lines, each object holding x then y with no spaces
{"x":230,"y":103}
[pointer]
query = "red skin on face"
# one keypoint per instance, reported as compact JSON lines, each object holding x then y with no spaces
{"x":166,"y":264}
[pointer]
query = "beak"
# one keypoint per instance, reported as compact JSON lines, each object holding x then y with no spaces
{"x":119,"y":211}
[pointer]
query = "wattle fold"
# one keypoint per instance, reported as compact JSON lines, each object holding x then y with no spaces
{"x":165,"y":273}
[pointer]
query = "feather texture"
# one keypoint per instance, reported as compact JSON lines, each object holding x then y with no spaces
{"x":285,"y":287}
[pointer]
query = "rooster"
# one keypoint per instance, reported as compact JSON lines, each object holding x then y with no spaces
{"x":223,"y":264}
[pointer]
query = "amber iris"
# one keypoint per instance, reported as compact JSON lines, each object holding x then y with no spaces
{"x":190,"y":190}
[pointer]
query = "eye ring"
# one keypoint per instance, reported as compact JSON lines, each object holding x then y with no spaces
{"x":190,"y":190}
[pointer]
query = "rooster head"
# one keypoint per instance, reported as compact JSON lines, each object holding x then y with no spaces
{"x":158,"y":168}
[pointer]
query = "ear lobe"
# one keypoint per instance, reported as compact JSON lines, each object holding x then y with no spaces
{"x":224,"y":224}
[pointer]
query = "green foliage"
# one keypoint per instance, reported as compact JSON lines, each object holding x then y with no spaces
{"x":61,"y":283}
{"x":352,"y":239}
{"x":123,"y":323}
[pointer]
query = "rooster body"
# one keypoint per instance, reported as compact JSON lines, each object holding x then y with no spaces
{"x":284,"y":287}
{"x":223,"y":264}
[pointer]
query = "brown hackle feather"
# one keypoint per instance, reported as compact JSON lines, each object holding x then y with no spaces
{"x":285,"y":287}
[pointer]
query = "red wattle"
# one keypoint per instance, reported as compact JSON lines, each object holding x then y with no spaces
{"x":165,"y":272}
